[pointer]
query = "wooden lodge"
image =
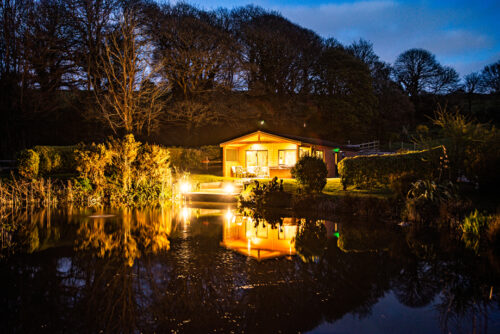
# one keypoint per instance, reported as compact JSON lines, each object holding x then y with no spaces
{"x":264,"y":154}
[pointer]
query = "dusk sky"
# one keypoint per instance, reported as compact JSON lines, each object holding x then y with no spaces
{"x":462,"y":34}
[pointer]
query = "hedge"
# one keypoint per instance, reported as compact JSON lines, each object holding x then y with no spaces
{"x":49,"y":160}
{"x":56,"y":159}
{"x":188,"y":159}
{"x":372,"y":171}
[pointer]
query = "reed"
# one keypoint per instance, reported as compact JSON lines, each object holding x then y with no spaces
{"x":19,"y":192}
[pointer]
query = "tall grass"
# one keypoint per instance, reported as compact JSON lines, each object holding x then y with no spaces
{"x":20,"y":192}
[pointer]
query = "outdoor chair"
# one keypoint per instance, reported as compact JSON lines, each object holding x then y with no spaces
{"x":264,"y":172}
{"x":238,"y":171}
{"x":252,"y":171}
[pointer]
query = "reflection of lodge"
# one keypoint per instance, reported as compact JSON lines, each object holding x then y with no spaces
{"x":262,"y":241}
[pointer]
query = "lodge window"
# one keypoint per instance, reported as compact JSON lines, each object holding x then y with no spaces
{"x":256,"y":158}
{"x":231,"y":155}
{"x":287,"y":157}
{"x":303,"y":152}
{"x":319,"y":154}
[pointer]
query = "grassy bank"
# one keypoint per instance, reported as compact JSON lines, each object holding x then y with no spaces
{"x":333,"y":186}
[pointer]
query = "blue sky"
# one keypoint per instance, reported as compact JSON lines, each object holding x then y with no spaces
{"x":462,"y":34}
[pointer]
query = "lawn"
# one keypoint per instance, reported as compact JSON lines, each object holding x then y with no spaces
{"x":333,"y":186}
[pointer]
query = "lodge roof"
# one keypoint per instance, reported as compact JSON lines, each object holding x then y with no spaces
{"x":299,"y":139}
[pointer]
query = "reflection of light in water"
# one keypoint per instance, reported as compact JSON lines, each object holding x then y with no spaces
{"x":249,"y":246}
{"x":185,"y":216}
{"x":229,"y":215}
{"x":185,"y":213}
{"x":102,"y":216}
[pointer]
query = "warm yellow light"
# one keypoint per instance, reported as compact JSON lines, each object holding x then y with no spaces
{"x":185,"y":214}
{"x":185,"y":187}
{"x":229,"y":215}
{"x":229,"y":188}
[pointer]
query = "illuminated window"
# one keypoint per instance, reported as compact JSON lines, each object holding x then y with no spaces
{"x":256,"y":158}
{"x":287,"y":157}
{"x":303,"y":152}
{"x":231,"y":155}
{"x":262,"y":230}
{"x":319,"y":154}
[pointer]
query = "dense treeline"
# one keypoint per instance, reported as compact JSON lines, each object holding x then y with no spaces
{"x":73,"y":70}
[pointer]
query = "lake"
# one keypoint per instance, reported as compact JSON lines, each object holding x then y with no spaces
{"x":210,"y":269}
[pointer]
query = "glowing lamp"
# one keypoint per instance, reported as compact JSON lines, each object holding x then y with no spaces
{"x":229,"y":189}
{"x":185,"y":187}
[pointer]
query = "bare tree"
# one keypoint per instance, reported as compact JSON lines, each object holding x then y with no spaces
{"x":491,"y":78}
{"x":90,"y":21}
{"x":198,"y":57}
{"x":472,"y":85}
{"x":132,"y":96}
{"x":418,"y":71}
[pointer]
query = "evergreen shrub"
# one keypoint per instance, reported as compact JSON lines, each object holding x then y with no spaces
{"x":28,"y":163}
{"x":56,"y":159}
{"x":376,"y":171}
{"x":310,"y":173}
{"x":190,"y":159}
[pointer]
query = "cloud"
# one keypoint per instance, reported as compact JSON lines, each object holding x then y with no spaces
{"x":394,"y":27}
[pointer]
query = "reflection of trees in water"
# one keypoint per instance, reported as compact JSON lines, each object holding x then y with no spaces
{"x":310,"y":241}
{"x":109,"y":298}
{"x":436,"y":266}
{"x":38,"y":229}
{"x":127,"y":237}
{"x":199,"y":286}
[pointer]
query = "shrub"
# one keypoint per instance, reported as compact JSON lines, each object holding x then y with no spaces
{"x":123,"y":154}
{"x":91,"y":162}
{"x":185,"y":159}
{"x":56,"y":159}
{"x":212,"y":152}
{"x":124,"y":171}
{"x":426,"y":198}
{"x":310,"y":173}
{"x":474,"y":227}
{"x":401,"y":183}
{"x":261,"y":201}
{"x":28,"y":163}
{"x":188,"y":159}
{"x":374,"y":171}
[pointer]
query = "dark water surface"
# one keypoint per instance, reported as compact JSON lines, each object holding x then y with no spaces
{"x":202,"y":270}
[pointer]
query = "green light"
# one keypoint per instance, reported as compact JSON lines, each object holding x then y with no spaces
{"x":336,"y":150}
{"x":261,"y":122}
{"x":337,"y":234}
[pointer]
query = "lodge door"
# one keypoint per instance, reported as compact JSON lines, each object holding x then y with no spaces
{"x":256,"y":158}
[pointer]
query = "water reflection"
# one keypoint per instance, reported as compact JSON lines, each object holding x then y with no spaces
{"x":259,"y":240}
{"x":198,"y":286}
{"x":126,"y":235}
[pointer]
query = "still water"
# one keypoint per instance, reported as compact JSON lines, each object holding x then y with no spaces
{"x":209,"y":269}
